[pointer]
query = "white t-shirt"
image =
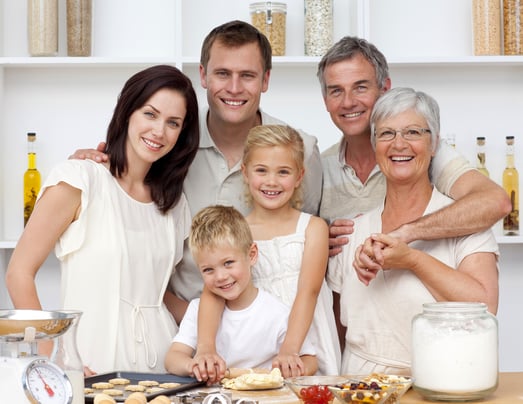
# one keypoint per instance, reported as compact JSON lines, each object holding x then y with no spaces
{"x":248,"y":338}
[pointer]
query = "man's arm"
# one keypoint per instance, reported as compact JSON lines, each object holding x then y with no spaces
{"x":480,"y":203}
{"x":97,"y":155}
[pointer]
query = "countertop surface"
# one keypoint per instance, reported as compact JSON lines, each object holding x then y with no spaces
{"x":510,"y":390}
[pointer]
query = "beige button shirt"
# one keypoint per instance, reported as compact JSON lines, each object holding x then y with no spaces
{"x":209,"y":181}
{"x":344,"y":195}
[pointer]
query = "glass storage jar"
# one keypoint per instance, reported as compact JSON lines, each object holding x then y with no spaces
{"x":67,"y":357}
{"x":79,"y":22}
{"x":486,"y":16}
{"x":270,"y":18}
{"x":455,"y":351}
{"x":42,"y":24}
{"x":513,"y":27}
{"x":318,"y":27}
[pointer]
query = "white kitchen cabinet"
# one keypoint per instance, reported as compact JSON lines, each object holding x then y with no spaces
{"x":69,"y":101}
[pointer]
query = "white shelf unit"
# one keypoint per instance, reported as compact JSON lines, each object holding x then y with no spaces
{"x":69,"y":101}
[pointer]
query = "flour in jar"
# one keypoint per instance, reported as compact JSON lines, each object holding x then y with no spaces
{"x":455,"y":360}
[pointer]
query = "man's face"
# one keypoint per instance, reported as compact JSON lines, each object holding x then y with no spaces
{"x":234,"y":81}
{"x":352,"y":91}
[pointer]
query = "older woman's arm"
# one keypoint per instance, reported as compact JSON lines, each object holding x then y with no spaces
{"x":475,"y":279}
{"x":479,"y":204}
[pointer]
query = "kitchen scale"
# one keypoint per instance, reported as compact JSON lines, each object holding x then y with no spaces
{"x":25,"y":376}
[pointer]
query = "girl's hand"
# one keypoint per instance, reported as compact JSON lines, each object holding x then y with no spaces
{"x":208,"y":367}
{"x":290,"y":365}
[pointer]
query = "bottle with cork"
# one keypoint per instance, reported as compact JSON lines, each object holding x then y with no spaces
{"x":31,"y":178}
{"x":511,"y":186}
{"x":480,"y":156}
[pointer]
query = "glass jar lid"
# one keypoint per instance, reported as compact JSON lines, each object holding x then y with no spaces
{"x":266,"y":6}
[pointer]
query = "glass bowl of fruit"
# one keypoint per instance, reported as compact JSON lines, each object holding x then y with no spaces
{"x":314,"y":389}
{"x":401,"y":384}
{"x":357,"y":391}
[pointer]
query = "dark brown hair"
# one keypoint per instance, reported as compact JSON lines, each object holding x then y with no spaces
{"x":234,"y":34}
{"x":166,"y":175}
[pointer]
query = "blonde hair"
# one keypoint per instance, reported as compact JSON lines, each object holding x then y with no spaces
{"x":265,"y":136}
{"x":215,"y":225}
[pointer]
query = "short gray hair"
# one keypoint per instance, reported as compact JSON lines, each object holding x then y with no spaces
{"x":347,"y":48}
{"x":401,"y":99}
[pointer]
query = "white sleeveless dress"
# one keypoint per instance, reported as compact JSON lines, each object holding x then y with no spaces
{"x":277,"y":271}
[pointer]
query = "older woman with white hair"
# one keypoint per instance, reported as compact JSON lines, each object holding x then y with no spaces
{"x":377,"y":304}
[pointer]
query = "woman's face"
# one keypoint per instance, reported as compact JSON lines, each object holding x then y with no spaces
{"x":155,"y":127}
{"x":402,"y":160}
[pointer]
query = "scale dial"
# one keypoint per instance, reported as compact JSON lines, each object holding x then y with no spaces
{"x":46,"y":383}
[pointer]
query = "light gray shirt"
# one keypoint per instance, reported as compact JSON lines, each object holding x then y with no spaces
{"x":345,"y":196}
{"x":210,"y":181}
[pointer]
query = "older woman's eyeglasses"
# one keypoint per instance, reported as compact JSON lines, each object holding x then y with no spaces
{"x":410,"y":133}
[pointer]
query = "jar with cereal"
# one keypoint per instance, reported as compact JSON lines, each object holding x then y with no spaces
{"x":486,"y":16}
{"x":79,"y":25}
{"x":270,"y":19}
{"x":513,"y":27}
{"x":42,"y":24}
{"x":318,"y":27}
{"x":455,"y":351}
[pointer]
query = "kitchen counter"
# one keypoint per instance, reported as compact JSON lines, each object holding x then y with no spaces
{"x":509,"y":391}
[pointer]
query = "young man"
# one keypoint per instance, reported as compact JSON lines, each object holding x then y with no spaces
{"x":235,"y":66}
{"x":254,"y":323}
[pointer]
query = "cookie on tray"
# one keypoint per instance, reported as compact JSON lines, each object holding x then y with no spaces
{"x":148,"y":383}
{"x":102,"y":385}
{"x":169,"y":385}
{"x":135,"y":387}
{"x":154,"y":389}
{"x":113,"y":392}
{"x":119,"y":381}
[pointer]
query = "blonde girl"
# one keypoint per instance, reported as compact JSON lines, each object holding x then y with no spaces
{"x":293,"y":254}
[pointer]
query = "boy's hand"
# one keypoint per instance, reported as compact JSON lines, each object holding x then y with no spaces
{"x":97,"y":155}
{"x":208,"y":367}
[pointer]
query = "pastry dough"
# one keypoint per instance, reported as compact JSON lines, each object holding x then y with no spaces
{"x":102,"y":398}
{"x":255,"y":381}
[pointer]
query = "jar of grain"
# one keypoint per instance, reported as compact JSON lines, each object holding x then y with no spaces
{"x":318,"y":27}
{"x":270,"y":18}
{"x":42,"y":24}
{"x":79,"y":21}
{"x":513,"y":27}
{"x":486,"y":16}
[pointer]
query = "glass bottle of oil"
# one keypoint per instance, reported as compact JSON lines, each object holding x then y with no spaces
{"x":511,"y":186}
{"x":480,"y":156}
{"x":31,"y":178}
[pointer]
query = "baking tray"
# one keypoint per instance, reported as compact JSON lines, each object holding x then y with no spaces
{"x":135,"y":377}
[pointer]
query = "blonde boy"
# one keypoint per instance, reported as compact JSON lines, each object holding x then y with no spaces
{"x":254,"y":323}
